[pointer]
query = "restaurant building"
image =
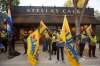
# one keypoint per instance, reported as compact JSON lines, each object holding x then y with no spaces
{"x":29,"y":17}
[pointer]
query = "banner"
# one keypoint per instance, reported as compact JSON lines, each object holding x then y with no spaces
{"x":89,"y":30}
{"x":9,"y":21}
{"x":42,"y":27}
{"x":80,"y":3}
{"x":33,"y":47}
{"x":67,"y":38}
{"x":65,"y":30}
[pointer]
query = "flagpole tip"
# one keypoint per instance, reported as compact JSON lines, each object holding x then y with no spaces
{"x":65,"y":15}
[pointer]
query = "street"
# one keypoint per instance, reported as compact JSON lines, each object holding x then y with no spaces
{"x":22,"y":60}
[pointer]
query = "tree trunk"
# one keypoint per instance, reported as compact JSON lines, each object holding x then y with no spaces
{"x":77,"y":24}
{"x":10,"y":45}
{"x":78,"y":21}
{"x":83,"y":10}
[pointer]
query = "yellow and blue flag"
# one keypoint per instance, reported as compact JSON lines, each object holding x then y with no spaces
{"x":80,"y":3}
{"x":65,"y":30}
{"x":42,"y":27}
{"x":9,"y":21}
{"x":67,"y":38}
{"x":33,"y":47}
{"x":89,"y":30}
{"x":31,"y":58}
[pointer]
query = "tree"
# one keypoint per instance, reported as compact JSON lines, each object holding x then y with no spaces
{"x":68,"y":3}
{"x":15,"y":2}
{"x":4,"y":6}
{"x":77,"y":4}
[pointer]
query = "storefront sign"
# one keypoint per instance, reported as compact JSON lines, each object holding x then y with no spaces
{"x":49,"y":10}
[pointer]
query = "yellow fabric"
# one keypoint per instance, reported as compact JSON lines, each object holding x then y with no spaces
{"x":93,"y":40}
{"x":69,"y":3}
{"x":35,"y":36}
{"x":65,"y":30}
{"x":83,"y":36}
{"x":29,"y":44}
{"x":80,"y":3}
{"x":71,"y":59}
{"x":29,"y":53}
{"x":42,"y":27}
{"x":89,"y":30}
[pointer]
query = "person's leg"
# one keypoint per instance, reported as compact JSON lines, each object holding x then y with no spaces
{"x":25,"y":47}
{"x":82,"y":49}
{"x":93,"y":51}
{"x":52,"y":49}
{"x":55,"y":49}
{"x":47,"y":44}
{"x":90,"y":49}
{"x":44,"y":45}
{"x":50,"y":52}
{"x":5,"y":45}
{"x":62,"y":53}
{"x":10,"y":50}
{"x":58,"y":53}
{"x":5,"y":48}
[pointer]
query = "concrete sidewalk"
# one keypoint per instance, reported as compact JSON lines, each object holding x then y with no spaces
{"x":43,"y":59}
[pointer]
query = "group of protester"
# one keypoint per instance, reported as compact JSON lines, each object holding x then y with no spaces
{"x":52,"y":43}
{"x":91,"y":41}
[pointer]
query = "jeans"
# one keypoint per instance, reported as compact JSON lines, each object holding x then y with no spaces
{"x":62,"y":53}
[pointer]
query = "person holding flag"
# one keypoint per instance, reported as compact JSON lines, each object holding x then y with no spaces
{"x":33,"y":44}
{"x":33,"y":47}
{"x":69,"y":45}
{"x":60,"y":47}
{"x":92,"y":46}
{"x":42,"y":28}
{"x":93,"y":41}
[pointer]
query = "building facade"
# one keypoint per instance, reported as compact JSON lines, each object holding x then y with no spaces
{"x":29,"y":17}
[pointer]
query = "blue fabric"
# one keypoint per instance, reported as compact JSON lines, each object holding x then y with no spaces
{"x":9,"y":20}
{"x":1,"y":45}
{"x":33,"y":45}
{"x":72,"y":50}
{"x":9,"y":24}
